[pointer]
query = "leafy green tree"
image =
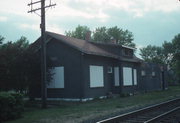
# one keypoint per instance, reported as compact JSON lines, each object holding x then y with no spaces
{"x":176,"y":47}
{"x":33,"y":72}
{"x":11,"y":65}
{"x":100,"y":35}
{"x":168,"y":52}
{"x":103,"y":34}
{"x":1,"y":39}
{"x":153,"y":54}
{"x":123,"y":37}
{"x":20,"y":67}
{"x":79,"y":32}
{"x":176,"y":55}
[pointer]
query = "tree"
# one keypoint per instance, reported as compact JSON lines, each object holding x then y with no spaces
{"x":21,"y":79}
{"x":20,"y":67}
{"x":79,"y":32}
{"x":176,"y":55}
{"x":1,"y":39}
{"x":153,"y":54}
{"x":33,"y":72}
{"x":11,"y":65}
{"x":168,"y":53}
{"x":103,"y":34}
{"x":176,"y":47}
{"x":122,"y":37}
{"x":100,"y":35}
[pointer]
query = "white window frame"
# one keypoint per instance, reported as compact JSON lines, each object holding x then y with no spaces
{"x":127,"y":76}
{"x":96,"y":76}
{"x":57,"y":78}
{"x":116,"y":76}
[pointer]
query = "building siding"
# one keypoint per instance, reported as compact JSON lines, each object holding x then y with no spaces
{"x":77,"y":64}
{"x":63,"y":55}
{"x":108,"y":77}
{"x":133,"y":88}
{"x":150,"y":82}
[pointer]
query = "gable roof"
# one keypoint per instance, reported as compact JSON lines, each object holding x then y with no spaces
{"x":84,"y":46}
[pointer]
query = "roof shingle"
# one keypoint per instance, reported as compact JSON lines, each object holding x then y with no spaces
{"x":82,"y":45}
{"x":86,"y":47}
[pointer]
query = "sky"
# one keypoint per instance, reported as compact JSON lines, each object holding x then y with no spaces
{"x":150,"y":21}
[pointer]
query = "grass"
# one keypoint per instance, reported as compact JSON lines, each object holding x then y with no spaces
{"x":79,"y":112}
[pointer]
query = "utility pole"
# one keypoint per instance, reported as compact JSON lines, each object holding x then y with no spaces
{"x":43,"y":46}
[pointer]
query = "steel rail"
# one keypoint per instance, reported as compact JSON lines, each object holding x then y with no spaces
{"x":121,"y":117}
{"x":162,"y":115}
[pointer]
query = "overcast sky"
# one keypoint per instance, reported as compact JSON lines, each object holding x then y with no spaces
{"x":151,"y":21}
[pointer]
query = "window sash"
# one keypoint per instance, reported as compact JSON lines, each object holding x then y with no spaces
{"x":135,"y":76}
{"x":127,"y":76}
{"x":96,"y":76}
{"x":57,"y":78}
{"x":116,"y":76}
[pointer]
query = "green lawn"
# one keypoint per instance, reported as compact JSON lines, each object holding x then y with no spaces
{"x":78,"y":112}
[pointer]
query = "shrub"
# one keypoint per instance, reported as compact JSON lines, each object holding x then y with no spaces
{"x":11,"y":105}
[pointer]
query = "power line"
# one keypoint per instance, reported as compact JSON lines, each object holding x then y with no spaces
{"x":43,"y":46}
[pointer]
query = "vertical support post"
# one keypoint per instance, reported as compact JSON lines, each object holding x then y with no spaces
{"x":163,"y":82}
{"x":162,"y":76}
{"x":43,"y":47}
{"x":43,"y":55}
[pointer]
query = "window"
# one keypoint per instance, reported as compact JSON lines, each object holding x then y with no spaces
{"x":109,"y":69}
{"x":127,"y":52}
{"x":135,"y":76}
{"x":116,"y":76}
{"x":96,"y":76}
{"x":143,"y":73}
{"x":127,"y":76}
{"x":57,"y":78}
{"x":153,"y":73}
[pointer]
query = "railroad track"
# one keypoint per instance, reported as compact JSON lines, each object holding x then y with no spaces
{"x":172,"y":116}
{"x":164,"y":112}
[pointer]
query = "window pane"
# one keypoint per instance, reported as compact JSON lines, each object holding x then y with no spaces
{"x":57,"y":78}
{"x":143,"y":73}
{"x":135,"y":77}
{"x":96,"y":76}
{"x":127,"y":76}
{"x":116,"y":76}
{"x":153,"y":73}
